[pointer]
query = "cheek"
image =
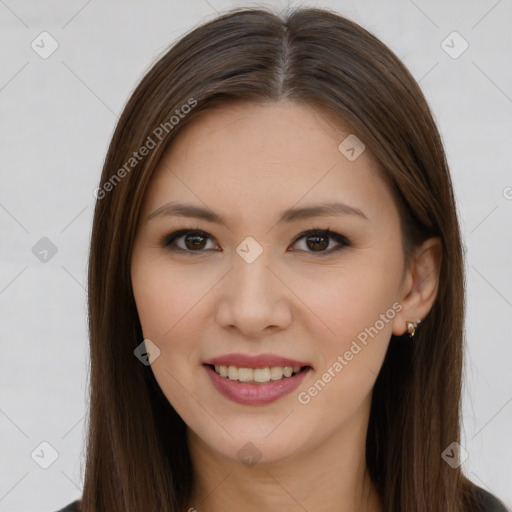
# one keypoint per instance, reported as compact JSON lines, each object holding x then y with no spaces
{"x":169,"y":306}
{"x":359,"y":310}
{"x":166,"y":298}
{"x":173,"y":308}
{"x":356,"y":304}
{"x":351,"y":299}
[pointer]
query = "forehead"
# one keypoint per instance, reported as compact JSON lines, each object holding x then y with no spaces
{"x":245,"y":158}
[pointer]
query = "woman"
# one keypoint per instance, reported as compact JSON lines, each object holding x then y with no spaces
{"x":276,"y":286}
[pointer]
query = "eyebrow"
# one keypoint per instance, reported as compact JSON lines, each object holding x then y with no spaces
{"x":321,"y":210}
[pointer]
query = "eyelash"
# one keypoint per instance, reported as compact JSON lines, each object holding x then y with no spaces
{"x":167,"y":241}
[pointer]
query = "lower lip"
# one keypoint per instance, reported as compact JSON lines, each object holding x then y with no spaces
{"x":255,"y":394}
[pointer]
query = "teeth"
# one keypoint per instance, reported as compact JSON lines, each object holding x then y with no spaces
{"x":276,"y":373}
{"x":257,"y":374}
{"x":261,"y":374}
{"x":244,"y":374}
{"x":233,"y":372}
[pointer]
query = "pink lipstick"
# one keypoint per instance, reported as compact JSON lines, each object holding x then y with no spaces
{"x":255,"y":380}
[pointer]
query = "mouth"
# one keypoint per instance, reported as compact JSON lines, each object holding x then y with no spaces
{"x":257,"y":375}
{"x":256,"y":379}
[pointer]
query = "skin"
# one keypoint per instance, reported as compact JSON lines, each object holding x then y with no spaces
{"x":248,"y":163}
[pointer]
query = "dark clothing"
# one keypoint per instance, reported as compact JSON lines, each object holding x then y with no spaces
{"x":490,"y":503}
{"x":72,"y":507}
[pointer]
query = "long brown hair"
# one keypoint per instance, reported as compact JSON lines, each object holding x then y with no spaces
{"x":137,"y":456}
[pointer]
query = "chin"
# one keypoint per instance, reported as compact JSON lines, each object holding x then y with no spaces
{"x":267,"y":447}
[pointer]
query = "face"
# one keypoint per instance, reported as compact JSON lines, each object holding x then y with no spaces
{"x":266,"y":291}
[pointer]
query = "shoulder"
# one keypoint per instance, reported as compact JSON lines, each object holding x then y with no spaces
{"x":74,"y":507}
{"x":489,"y":502}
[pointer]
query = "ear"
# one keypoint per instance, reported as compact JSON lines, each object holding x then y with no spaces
{"x":419,"y":285}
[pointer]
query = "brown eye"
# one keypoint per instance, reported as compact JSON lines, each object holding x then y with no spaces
{"x":318,"y":240}
{"x":193,"y":241}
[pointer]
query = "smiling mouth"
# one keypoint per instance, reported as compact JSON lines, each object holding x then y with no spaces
{"x":257,"y":375}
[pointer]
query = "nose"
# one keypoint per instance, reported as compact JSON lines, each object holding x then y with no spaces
{"x":253,"y":298}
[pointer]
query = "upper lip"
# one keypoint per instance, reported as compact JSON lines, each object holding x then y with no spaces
{"x":259,"y":361}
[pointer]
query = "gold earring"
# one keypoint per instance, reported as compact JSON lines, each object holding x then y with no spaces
{"x":411,"y":327}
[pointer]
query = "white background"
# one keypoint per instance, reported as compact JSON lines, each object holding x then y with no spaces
{"x":56,"y":119}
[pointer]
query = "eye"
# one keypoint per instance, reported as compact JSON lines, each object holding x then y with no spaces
{"x":317,"y":240}
{"x":194,"y":240}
